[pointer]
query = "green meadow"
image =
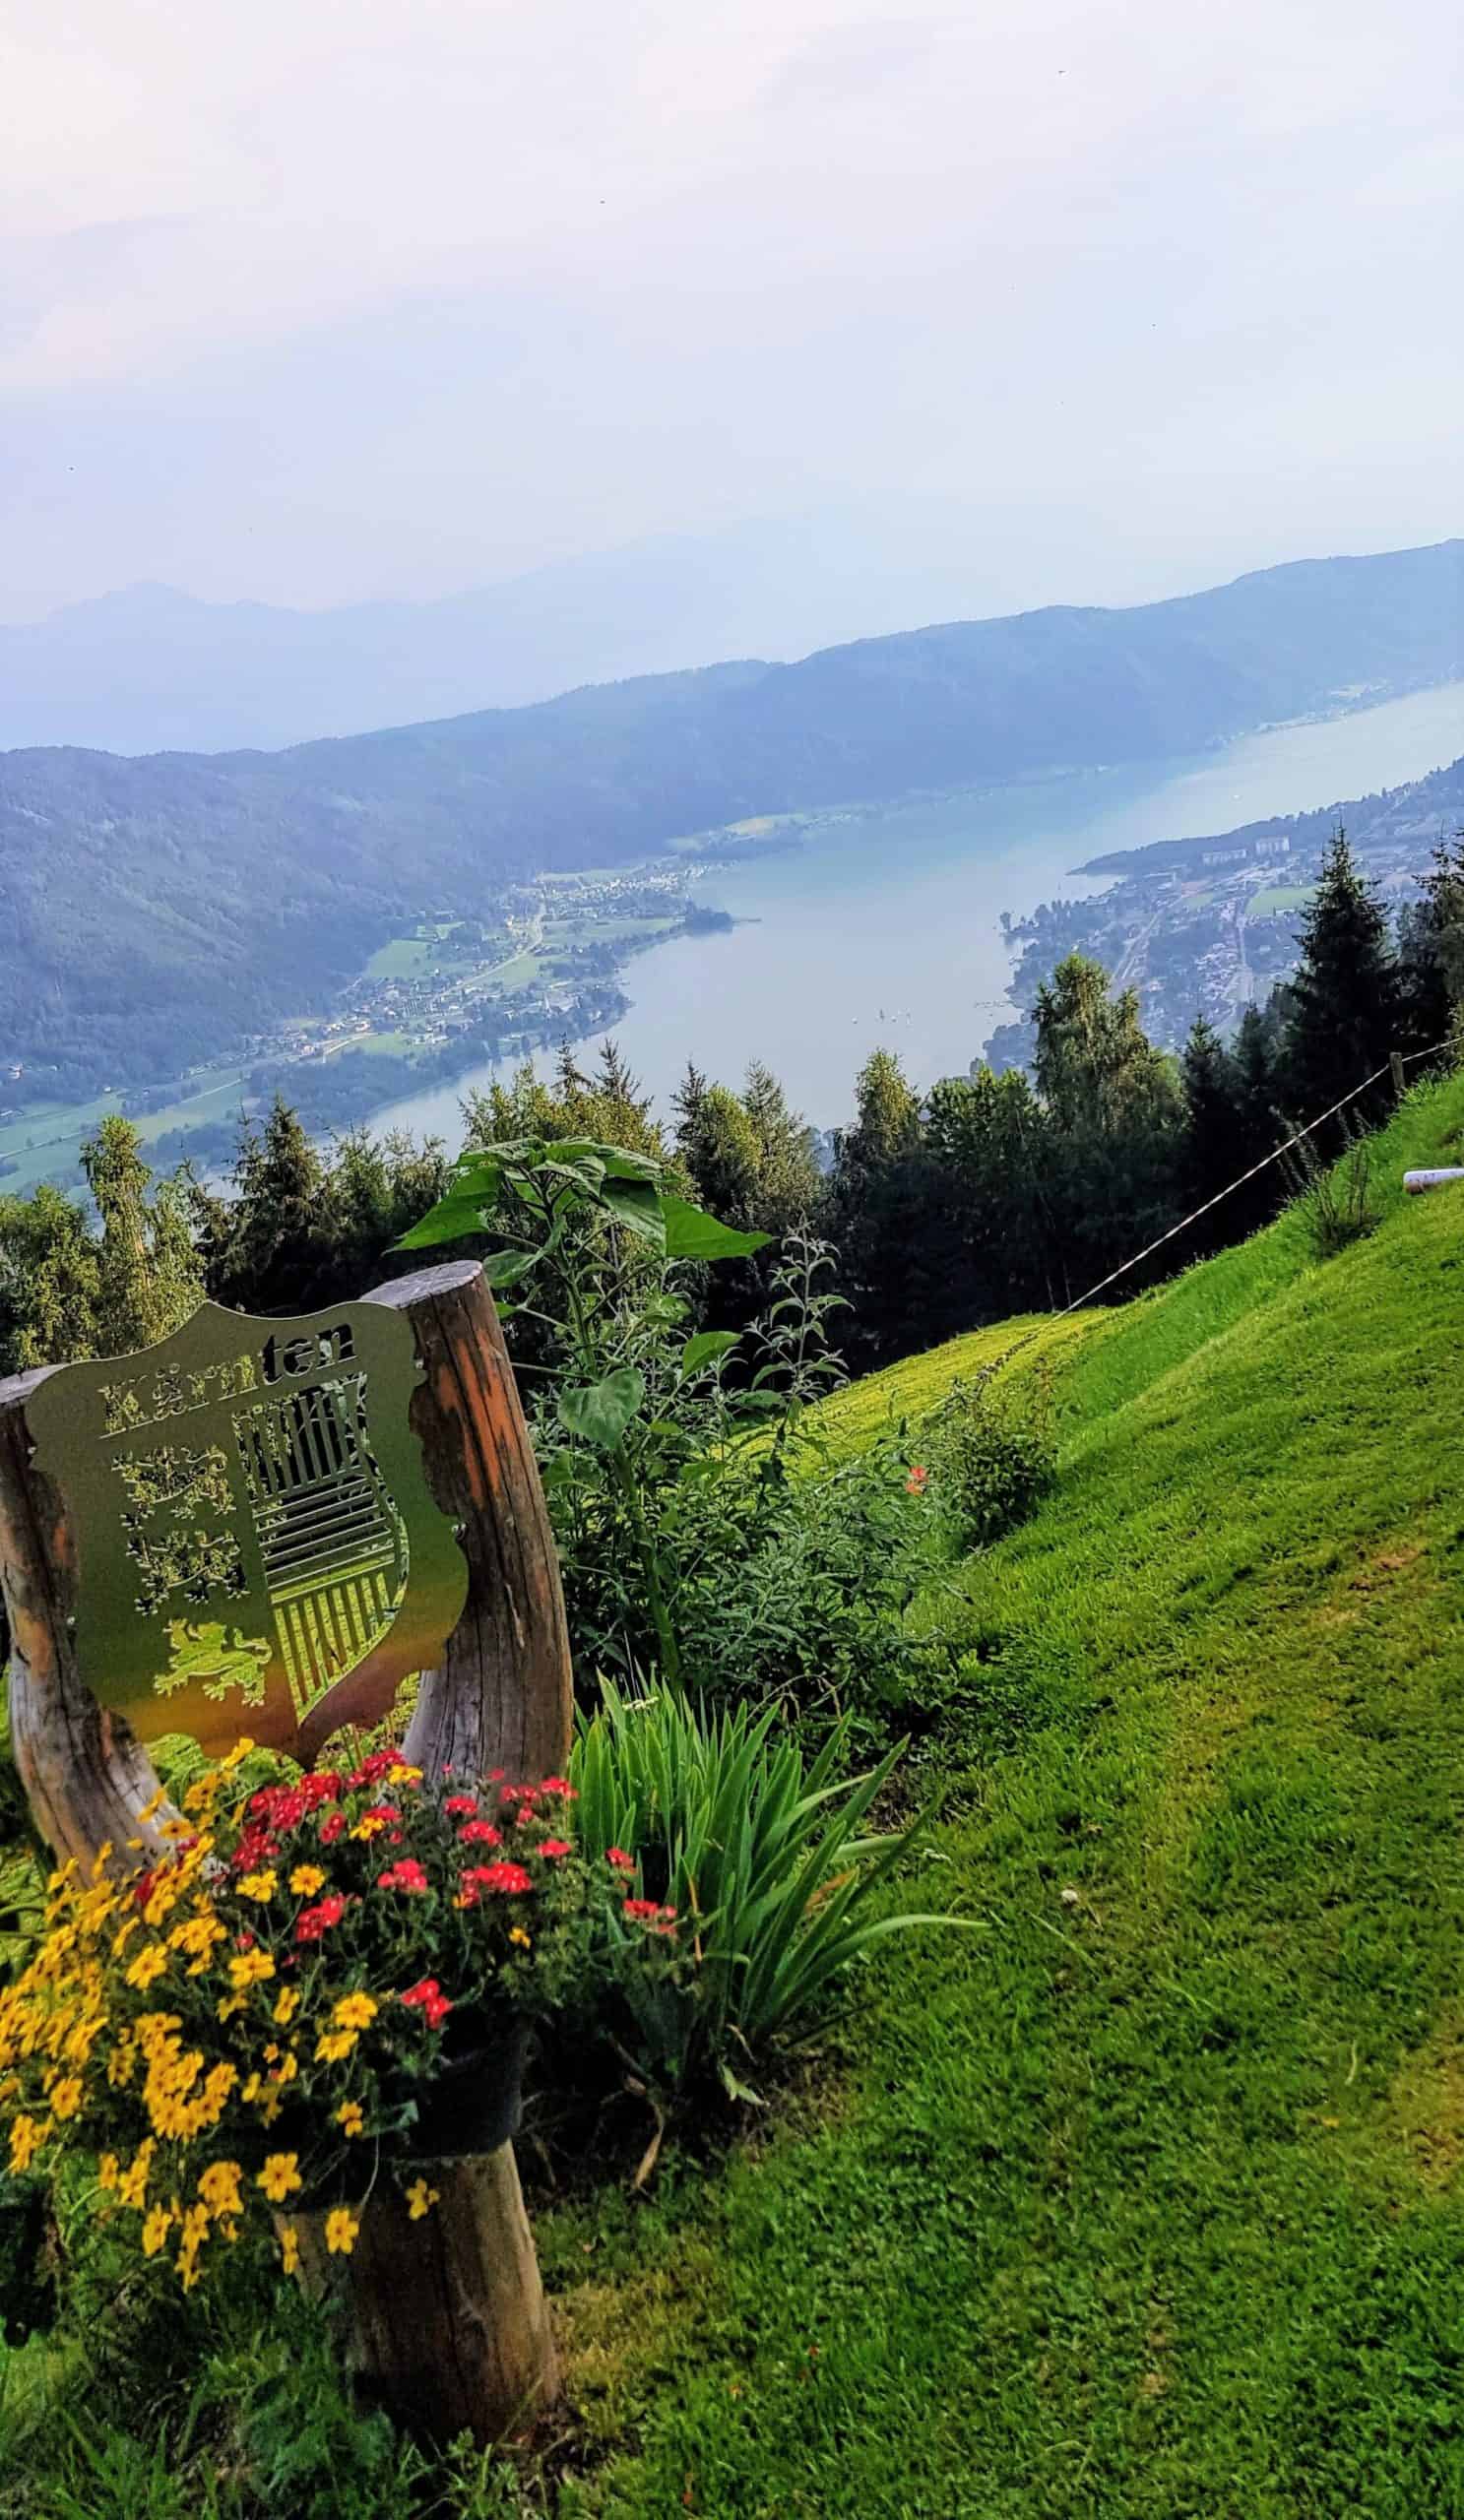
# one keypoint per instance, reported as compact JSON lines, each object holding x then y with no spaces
{"x":1139,"y":2198}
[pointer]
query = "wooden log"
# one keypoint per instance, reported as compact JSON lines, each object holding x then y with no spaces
{"x":1400,"y":1082}
{"x":1439,"y":1178}
{"x":503,"y":1695}
{"x":449,"y":2327}
{"x":86,"y":1776}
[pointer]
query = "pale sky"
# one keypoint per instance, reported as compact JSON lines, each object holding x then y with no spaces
{"x":308,"y":300}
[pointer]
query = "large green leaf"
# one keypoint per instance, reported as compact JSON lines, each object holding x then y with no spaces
{"x":459,"y":1213}
{"x":600,"y":1411}
{"x":506,"y":1268}
{"x":706,"y":1347}
{"x":636,"y":1205}
{"x":693,"y":1235}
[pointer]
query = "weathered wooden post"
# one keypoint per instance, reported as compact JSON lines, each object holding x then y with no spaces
{"x":262,"y":1527}
{"x":1400,"y":1082}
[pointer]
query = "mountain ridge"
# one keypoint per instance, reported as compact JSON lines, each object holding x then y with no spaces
{"x":158,"y":907}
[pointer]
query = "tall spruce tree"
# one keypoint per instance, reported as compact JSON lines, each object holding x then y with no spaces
{"x":1215,"y":1135}
{"x":880,"y":1208}
{"x":1346,"y":1010}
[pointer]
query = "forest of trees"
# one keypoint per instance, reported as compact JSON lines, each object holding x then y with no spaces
{"x":985,"y":1196}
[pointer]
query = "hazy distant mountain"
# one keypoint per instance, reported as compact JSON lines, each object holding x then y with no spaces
{"x":151,"y":910}
{"x":149,"y":670}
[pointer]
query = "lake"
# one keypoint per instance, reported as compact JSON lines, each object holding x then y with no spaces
{"x":883,"y":930}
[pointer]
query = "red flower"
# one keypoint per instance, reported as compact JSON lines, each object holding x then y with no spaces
{"x":504,"y":1879}
{"x":461,"y":1806}
{"x":560,"y":1788}
{"x":332,"y":1828}
{"x":555,"y":1846}
{"x":314,"y":1921}
{"x":919,"y":1479}
{"x":408,"y":1875}
{"x":645,"y":1912}
{"x":497,"y":1775}
{"x":622,"y":1861}
{"x":480,"y":1833}
{"x":428,"y":1997}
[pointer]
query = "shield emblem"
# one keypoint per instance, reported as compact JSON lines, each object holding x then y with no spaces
{"x":257,"y":1548}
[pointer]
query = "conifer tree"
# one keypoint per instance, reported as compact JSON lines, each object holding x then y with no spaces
{"x":272,"y":1246}
{"x":881,"y":1210}
{"x":1346,"y":1013}
{"x":1215,"y":1139}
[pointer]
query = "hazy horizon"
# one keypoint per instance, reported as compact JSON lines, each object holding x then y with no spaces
{"x":1057,"y":306}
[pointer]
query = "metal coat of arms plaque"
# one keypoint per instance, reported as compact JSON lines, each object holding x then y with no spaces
{"x":257,"y":1547}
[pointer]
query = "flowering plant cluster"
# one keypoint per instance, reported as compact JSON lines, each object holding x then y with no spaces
{"x":251,"y":2026}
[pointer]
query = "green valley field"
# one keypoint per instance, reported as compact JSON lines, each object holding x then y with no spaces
{"x":1140,"y":2200}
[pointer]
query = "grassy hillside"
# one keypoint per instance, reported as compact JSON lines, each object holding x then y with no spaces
{"x":155,"y":908}
{"x":1141,"y":2200}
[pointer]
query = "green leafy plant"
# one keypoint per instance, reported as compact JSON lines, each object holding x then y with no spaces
{"x":598,"y":1230}
{"x":763,"y":1854}
{"x":988,"y":1455}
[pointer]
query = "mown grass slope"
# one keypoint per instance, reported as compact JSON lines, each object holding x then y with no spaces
{"x":1142,"y":2199}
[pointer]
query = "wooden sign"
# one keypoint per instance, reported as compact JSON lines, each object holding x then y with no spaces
{"x":256,"y":1545}
{"x":258,"y":1518}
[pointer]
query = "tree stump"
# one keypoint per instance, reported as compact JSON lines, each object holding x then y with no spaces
{"x":449,"y":2327}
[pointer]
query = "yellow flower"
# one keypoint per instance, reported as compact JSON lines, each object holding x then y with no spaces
{"x":218,"y":2084}
{"x":333,"y":2045}
{"x":306,"y":1879}
{"x":289,"y":2248}
{"x":236,"y":1756}
{"x":249,"y":1969}
{"x":288,"y":2007}
{"x":369,"y":1825}
{"x":219,"y":2189}
{"x":125,"y":1930}
{"x":517,"y":1934}
{"x":132,"y":2186}
{"x":108,"y":2171}
{"x":269,"y":2106}
{"x":26,"y":2140}
{"x":196,"y":1935}
{"x":341,"y":2229}
{"x":150,"y":1964}
{"x":121,"y":2064}
{"x":228,"y":2005}
{"x":350,"y":2117}
{"x":287,"y":2069}
{"x":281,"y":2176}
{"x":66,"y":2097}
{"x":156,"y":2229}
{"x":258,"y":1885}
{"x":354,"y":2012}
{"x":420,"y":2198}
